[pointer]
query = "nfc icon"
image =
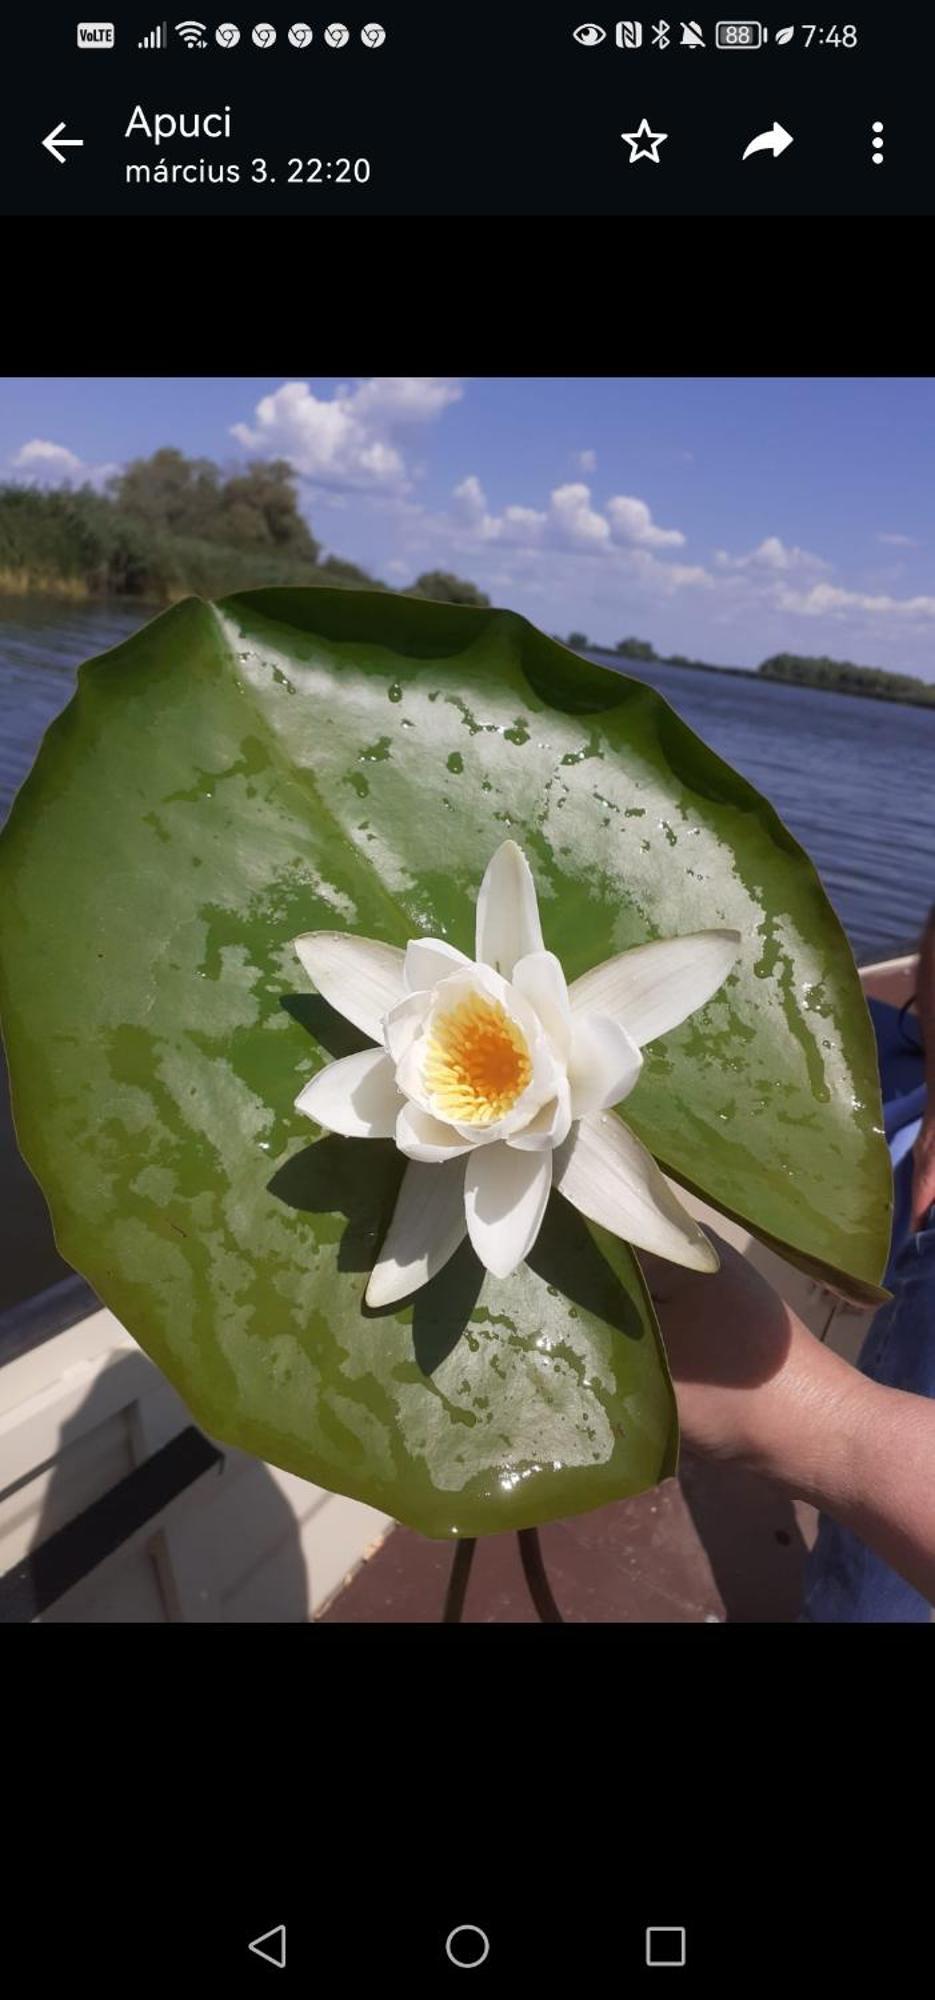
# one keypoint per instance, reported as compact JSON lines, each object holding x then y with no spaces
{"x":629,"y":34}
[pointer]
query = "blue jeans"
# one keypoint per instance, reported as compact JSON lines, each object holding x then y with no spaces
{"x":844,"y":1583}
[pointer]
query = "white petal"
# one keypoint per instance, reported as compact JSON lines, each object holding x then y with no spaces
{"x":550,"y":1127}
{"x":409,"y":1077}
{"x":360,"y":977}
{"x":428,"y":960}
{"x":462,"y":980}
{"x":605,"y":1171}
{"x":402,"y":1024}
{"x":356,"y":1096}
{"x":508,"y":924}
{"x":603,"y":1066}
{"x":655,"y":986}
{"x":428,"y":1225}
{"x":422,"y":1137}
{"x":505,"y":1196}
{"x":540,"y":977}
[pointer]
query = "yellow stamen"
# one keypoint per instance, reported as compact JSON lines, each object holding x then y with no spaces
{"x":477,"y":1062}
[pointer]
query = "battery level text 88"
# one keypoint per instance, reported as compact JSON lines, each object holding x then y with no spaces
{"x":738,"y":35}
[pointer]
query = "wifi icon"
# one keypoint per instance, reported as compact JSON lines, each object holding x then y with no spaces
{"x":192,"y":33}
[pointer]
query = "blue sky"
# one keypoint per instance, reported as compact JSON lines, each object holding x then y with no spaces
{"x":725,"y":519}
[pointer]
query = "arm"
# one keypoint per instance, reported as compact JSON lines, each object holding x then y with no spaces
{"x":923,"y":1153}
{"x":754,"y":1385}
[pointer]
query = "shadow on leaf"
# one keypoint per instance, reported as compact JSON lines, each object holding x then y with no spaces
{"x":566,"y":1256}
{"x":337,"y":1036}
{"x":442,"y":1310}
{"x":338,"y":1176}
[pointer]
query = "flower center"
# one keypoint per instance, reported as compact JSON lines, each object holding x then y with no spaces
{"x":477,"y":1062}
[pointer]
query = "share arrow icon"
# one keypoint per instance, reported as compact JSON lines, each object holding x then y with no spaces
{"x":774,"y":142}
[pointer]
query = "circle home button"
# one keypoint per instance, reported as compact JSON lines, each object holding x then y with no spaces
{"x":467,"y":1945}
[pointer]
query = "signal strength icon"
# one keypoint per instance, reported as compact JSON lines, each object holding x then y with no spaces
{"x":192,"y":33}
{"x":158,"y":38}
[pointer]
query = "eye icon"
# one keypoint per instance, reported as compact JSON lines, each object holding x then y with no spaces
{"x":589,"y":34}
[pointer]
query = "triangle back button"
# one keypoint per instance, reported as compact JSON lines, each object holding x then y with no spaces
{"x":271,"y":1946}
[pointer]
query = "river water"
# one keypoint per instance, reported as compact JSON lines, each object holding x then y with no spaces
{"x":853,"y":779}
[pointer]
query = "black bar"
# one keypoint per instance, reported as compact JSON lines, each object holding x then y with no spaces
{"x":77,"y":1549}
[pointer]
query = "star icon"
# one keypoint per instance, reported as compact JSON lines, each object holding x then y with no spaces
{"x":637,"y":142}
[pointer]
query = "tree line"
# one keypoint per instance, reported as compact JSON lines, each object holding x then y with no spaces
{"x":846,"y":678}
{"x":839,"y":675}
{"x":169,"y":524}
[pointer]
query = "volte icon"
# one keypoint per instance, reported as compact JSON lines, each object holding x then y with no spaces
{"x":96,"y":34}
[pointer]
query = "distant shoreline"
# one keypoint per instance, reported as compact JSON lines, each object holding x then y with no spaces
{"x":21,"y":582}
{"x":623,"y":664}
{"x":622,"y":661}
{"x":77,"y":590}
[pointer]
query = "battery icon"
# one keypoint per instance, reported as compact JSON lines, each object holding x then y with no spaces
{"x":739,"y":35}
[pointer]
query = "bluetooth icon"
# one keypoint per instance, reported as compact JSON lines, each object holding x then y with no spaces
{"x":661,"y":35}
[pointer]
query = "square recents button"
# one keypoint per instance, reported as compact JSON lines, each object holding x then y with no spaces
{"x":665,"y":1945}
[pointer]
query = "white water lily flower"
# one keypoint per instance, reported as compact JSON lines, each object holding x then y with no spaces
{"x":497,"y":1079}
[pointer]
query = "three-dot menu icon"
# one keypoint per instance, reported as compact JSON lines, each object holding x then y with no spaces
{"x":877,"y":142}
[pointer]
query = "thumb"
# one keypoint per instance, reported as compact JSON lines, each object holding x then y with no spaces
{"x":923,"y":1179}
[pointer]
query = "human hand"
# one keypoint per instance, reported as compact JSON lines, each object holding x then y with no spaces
{"x":752,"y":1383}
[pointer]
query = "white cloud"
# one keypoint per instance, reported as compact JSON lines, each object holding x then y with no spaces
{"x":569,"y":521}
{"x":524,"y":524}
{"x":632,"y":521}
{"x":772,"y":555}
{"x":41,"y":455}
{"x":899,"y":541}
{"x":824,"y":599}
{"x":575,"y":519}
{"x":667,"y":577}
{"x":410,"y":399}
{"x":346,"y":440}
{"x":46,"y":464}
{"x":471,"y":509}
{"x":586,"y":461}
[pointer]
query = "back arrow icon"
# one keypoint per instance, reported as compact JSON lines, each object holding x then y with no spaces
{"x":53,"y":140}
{"x":271,"y":1946}
{"x":774,"y":142}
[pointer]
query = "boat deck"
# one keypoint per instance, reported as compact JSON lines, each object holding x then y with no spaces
{"x":714,"y":1545}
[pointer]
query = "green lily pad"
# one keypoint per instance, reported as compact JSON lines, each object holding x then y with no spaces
{"x":295,"y":760}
